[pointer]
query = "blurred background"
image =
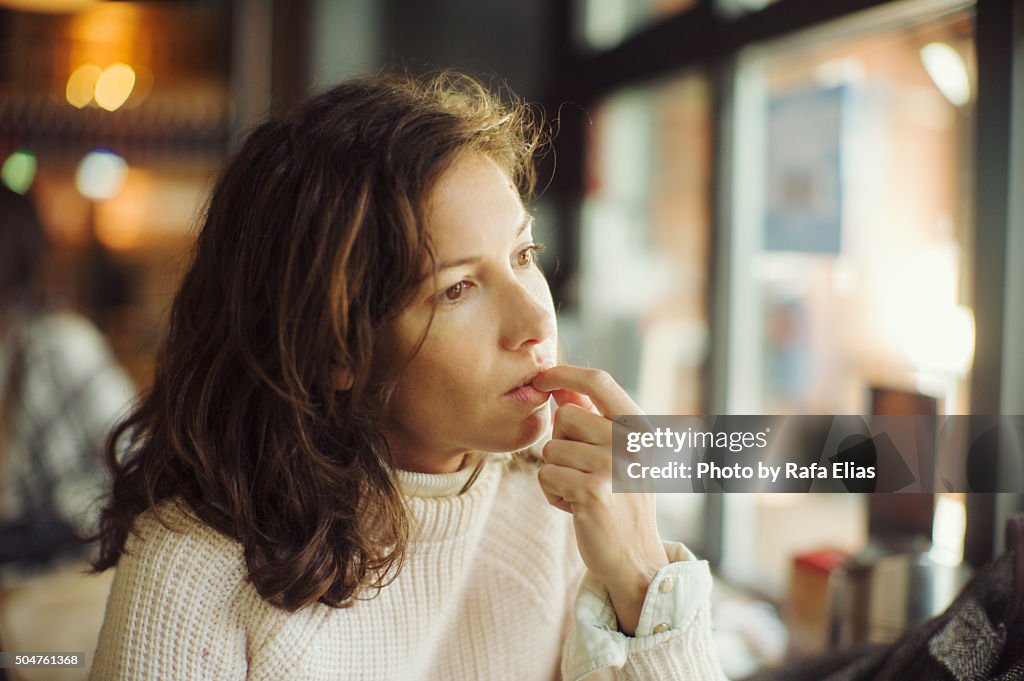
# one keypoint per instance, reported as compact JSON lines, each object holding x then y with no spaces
{"x":760,"y":207}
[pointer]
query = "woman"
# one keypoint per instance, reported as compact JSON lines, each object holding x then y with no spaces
{"x":316,"y":481}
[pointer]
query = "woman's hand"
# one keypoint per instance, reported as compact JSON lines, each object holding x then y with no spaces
{"x":617,"y":534}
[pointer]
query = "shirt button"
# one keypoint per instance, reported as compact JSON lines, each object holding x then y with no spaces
{"x":666,"y":585}
{"x":661,"y":628}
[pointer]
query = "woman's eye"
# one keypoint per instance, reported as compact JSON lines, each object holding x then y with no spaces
{"x":528,"y":255}
{"x":453,"y":293}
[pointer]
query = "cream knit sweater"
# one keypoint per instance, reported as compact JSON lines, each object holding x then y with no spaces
{"x":491,"y":590}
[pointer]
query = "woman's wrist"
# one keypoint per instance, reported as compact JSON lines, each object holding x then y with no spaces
{"x":629,"y":590}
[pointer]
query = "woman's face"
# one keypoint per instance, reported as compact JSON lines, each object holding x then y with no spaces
{"x":493,"y":328}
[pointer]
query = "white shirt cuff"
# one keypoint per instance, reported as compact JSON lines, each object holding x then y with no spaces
{"x":671,"y":604}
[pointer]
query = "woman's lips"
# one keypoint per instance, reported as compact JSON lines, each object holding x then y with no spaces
{"x":528,"y":396}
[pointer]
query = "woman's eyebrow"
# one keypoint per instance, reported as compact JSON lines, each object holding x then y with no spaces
{"x":469,"y":260}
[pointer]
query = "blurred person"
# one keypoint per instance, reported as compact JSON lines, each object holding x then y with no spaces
{"x":60,"y":392}
{"x":336,"y":473}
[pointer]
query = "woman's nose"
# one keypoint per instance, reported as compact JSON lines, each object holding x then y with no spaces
{"x":528,"y":315}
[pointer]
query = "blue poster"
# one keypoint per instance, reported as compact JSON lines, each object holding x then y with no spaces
{"x":804,"y":189}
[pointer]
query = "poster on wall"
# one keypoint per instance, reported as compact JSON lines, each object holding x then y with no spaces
{"x":804,"y":187}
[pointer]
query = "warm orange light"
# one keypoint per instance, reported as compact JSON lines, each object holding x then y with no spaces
{"x":119,"y":221}
{"x":114,"y":86}
{"x":153,"y":205}
{"x":82,"y":85}
{"x":47,"y":5}
{"x":105,"y":33}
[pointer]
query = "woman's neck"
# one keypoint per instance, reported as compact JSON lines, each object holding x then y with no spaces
{"x":436,"y":465}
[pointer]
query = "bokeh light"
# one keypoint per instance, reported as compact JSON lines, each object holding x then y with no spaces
{"x":922,"y":314}
{"x":82,"y":85}
{"x":114,"y":86}
{"x":948,"y":71}
{"x":18,"y":171}
{"x":101,"y":175}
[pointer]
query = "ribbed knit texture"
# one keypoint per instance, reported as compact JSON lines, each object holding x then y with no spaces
{"x":487,"y":592}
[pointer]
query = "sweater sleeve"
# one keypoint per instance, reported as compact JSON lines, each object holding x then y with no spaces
{"x":173,"y":611}
{"x":673,"y":637}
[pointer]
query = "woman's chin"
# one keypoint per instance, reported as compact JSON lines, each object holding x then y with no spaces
{"x":536,"y":426}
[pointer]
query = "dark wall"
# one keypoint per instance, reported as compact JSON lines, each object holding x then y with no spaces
{"x":487,"y":38}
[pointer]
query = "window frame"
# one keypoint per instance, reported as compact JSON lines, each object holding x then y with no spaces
{"x":701,"y":37}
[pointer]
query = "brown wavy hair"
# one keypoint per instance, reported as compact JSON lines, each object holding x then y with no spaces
{"x":313,"y":239}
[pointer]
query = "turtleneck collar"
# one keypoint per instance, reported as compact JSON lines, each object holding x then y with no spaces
{"x":430,"y":485}
{"x":433,"y":485}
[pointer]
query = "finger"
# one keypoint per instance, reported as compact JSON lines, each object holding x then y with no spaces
{"x":607,"y":395}
{"x":568,"y":484}
{"x":635,"y":422}
{"x":553,"y":499}
{"x":578,"y":455}
{"x":564,"y":397}
{"x":574,"y":423}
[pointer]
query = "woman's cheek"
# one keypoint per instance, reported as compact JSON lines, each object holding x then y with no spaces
{"x":448,"y":336}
